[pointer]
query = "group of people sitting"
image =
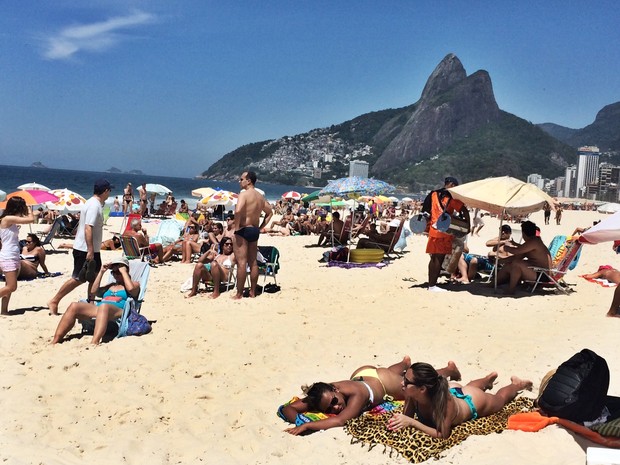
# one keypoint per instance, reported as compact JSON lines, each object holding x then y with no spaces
{"x":433,"y":396}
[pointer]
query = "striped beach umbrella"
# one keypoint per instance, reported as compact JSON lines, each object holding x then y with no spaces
{"x":291,"y":195}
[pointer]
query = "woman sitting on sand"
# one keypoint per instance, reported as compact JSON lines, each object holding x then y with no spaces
{"x":368,"y":387}
{"x":114,"y":296}
{"x":32,"y":256}
{"x":440,"y":405}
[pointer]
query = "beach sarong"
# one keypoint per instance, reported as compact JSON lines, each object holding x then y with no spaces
{"x":370,"y":429}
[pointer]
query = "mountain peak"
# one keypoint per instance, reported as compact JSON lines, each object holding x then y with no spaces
{"x":449,"y":72}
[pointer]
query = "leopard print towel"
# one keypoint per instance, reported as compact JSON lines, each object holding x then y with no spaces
{"x":370,"y":429}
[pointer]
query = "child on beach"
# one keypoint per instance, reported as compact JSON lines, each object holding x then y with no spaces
{"x":440,"y":405}
{"x":16,"y":213}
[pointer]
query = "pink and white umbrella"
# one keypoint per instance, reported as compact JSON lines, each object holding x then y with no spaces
{"x":68,"y":201}
{"x":226,"y":198}
{"x":291,"y":195}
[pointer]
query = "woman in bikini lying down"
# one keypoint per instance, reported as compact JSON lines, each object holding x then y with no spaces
{"x":440,"y":404}
{"x":367,"y":387}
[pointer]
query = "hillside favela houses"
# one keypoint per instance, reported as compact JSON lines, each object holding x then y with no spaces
{"x":590,"y":179}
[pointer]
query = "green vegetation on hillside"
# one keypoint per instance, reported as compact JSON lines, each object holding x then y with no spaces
{"x":510,"y":147}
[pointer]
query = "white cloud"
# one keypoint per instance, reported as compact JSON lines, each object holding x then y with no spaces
{"x":95,"y":37}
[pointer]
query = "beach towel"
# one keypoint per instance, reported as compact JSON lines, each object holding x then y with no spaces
{"x":600,"y":281}
{"x":414,"y":445}
{"x":305,"y":417}
{"x":349,"y":265}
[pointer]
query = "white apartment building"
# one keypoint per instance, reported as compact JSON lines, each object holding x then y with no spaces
{"x":358,"y":168}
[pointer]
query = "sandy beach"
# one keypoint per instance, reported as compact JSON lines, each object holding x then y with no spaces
{"x":205,"y":385}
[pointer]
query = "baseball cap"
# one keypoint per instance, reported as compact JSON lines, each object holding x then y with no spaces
{"x":452,"y":180}
{"x":103,"y":185}
{"x":120,"y":261}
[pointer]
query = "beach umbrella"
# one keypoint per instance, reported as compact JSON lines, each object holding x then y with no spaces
{"x":203,"y":192}
{"x":291,"y":195}
{"x":67,"y":201}
{"x":33,"y":186}
{"x":407,"y":199}
{"x":502,"y":195}
{"x":159,"y":189}
{"x":394,"y":199}
{"x":316,"y":197}
{"x":32,"y":197}
{"x":2,"y":195}
{"x":226,"y":198}
{"x":610,"y":207}
{"x":607,"y":230}
{"x":354,"y":187}
{"x":260,"y":191}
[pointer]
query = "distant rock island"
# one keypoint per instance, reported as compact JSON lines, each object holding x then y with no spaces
{"x":116,"y":170}
{"x":38,"y":164}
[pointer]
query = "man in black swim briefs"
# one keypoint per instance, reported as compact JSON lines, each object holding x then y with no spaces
{"x":250,"y":205}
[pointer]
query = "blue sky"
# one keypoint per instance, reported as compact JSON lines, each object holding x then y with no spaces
{"x":170,"y":86}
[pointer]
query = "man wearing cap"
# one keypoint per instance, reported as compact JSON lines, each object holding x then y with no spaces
{"x":87,"y":245}
{"x":440,"y":243}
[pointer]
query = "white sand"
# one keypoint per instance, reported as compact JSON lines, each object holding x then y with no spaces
{"x":205,"y":385}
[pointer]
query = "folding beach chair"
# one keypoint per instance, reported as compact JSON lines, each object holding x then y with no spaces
{"x":269,"y":267}
{"x":51,"y":234}
{"x":388,"y":249}
{"x":564,"y":262}
{"x":139,"y":271}
{"x":131,"y":249}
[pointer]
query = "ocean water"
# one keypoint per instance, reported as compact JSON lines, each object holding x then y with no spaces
{"x":82,"y":182}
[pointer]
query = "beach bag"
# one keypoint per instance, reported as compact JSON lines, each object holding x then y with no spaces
{"x":578,"y":389}
{"x":133,"y":324}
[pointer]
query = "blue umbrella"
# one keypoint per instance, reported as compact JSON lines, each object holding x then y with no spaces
{"x":355,"y":186}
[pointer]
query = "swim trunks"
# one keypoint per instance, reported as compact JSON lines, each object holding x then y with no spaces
{"x":458,"y":393}
{"x":371,"y":373}
{"x":249,"y":233}
{"x":439,"y":245}
{"x":83,"y":272}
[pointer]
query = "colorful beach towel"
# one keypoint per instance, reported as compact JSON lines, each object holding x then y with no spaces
{"x":600,"y":281}
{"x":370,"y":429}
{"x":305,"y":417}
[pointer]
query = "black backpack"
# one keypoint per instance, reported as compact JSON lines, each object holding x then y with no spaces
{"x":578,"y":389}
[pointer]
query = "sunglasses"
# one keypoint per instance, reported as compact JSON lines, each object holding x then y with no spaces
{"x":332,"y":404}
{"x":226,"y":243}
{"x":406,"y":382}
{"x":28,"y":242}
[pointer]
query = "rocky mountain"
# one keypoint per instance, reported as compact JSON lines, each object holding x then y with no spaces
{"x":455,"y":128}
{"x":604,"y":132}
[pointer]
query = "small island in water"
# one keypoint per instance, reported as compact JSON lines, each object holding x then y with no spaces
{"x":38,"y":164}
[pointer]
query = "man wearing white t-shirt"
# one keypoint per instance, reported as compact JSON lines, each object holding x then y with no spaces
{"x":87,"y":245}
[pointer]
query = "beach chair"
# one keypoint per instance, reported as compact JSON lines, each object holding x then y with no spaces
{"x":51,"y":234}
{"x":126,"y":225}
{"x":389,"y":249}
{"x":271,"y":265}
{"x":132,"y":251}
{"x":139,"y":271}
{"x":564,"y":261}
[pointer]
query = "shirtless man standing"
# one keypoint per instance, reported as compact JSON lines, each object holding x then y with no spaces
{"x":250,"y":205}
{"x":533,"y":252}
